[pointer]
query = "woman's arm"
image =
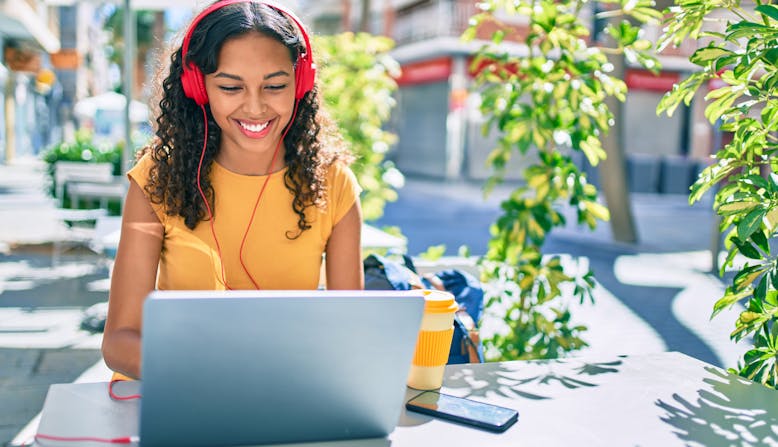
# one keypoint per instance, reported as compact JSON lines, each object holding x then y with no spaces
{"x":344,"y":252}
{"x":134,"y":276}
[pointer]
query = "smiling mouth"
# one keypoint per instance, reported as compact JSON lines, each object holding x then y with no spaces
{"x":254,"y":127}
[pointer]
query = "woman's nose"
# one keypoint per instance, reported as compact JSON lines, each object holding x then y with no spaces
{"x":255,"y":103}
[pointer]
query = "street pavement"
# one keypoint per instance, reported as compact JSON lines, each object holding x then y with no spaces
{"x":655,"y":295}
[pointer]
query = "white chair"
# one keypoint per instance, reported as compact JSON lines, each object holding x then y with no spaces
{"x":79,"y":230}
{"x":72,"y":172}
{"x":103,"y":192}
{"x":105,"y":237}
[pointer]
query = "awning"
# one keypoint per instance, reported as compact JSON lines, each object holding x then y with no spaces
{"x":141,"y":4}
{"x":18,"y":20}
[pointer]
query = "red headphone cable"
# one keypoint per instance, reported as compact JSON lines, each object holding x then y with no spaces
{"x":256,"y":203}
{"x":121,"y":440}
{"x":202,"y":194}
{"x":115,"y":396}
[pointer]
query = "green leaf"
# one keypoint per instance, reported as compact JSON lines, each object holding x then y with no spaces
{"x":597,"y":210}
{"x":772,"y":219}
{"x":750,"y":223}
{"x":758,"y":181}
{"x":751,"y":357}
{"x":699,"y":189}
{"x":726,"y":97}
{"x":433,"y":252}
{"x":730,"y":208}
{"x":768,"y":10}
{"x":745,"y":29}
{"x":760,"y":240}
{"x":498,"y":36}
{"x":724,"y":62}
{"x":469,"y":34}
{"x":761,"y":288}
{"x":771,"y":298}
{"x":592,"y":148}
{"x":728,"y":300}
{"x":703,"y":56}
{"x":746,"y":249}
{"x":771,"y":56}
{"x":747,"y":276}
{"x":748,"y":317}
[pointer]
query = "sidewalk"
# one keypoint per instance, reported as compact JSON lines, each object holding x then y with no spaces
{"x":42,"y":298}
{"x":665,"y":223}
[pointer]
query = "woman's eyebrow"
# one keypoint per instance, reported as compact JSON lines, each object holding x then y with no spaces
{"x":275,"y":74}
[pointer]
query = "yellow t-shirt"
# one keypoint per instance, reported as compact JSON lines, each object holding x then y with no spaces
{"x":190,"y":259}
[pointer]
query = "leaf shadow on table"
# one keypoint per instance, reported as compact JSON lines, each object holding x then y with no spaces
{"x":735,"y":412}
{"x":534,"y":380}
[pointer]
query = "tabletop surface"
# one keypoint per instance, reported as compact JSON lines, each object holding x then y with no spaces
{"x":664,"y":399}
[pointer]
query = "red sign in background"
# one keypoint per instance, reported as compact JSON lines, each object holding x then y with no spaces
{"x":647,"y":81}
{"x":433,"y":70}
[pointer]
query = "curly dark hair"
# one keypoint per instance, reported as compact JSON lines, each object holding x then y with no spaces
{"x":312,"y":143}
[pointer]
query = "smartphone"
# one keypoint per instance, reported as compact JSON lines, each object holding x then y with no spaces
{"x":466,"y":411}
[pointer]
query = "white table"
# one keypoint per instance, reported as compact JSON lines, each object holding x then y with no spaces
{"x":372,"y":237}
{"x":666,"y":399}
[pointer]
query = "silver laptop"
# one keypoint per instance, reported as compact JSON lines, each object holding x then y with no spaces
{"x":264,"y":367}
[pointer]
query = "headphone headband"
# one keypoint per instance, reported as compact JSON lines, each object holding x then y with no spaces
{"x":192,"y":79}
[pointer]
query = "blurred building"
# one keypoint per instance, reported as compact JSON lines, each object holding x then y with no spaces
{"x":28,"y":35}
{"x":437,"y":119}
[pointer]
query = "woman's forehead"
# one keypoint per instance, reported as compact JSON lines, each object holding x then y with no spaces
{"x":253,"y":51}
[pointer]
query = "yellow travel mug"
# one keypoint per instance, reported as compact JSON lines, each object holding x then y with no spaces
{"x":434,"y":342}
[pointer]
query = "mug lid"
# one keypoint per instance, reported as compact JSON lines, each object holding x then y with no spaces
{"x":439,"y":302}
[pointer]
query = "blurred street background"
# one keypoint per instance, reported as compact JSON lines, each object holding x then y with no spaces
{"x":63,"y":68}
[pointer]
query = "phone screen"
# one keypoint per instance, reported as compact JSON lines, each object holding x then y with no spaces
{"x":464,"y":410}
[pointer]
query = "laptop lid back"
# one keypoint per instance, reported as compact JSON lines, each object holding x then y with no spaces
{"x":251,"y":367}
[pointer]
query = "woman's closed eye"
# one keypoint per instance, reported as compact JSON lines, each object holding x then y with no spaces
{"x":231,"y":88}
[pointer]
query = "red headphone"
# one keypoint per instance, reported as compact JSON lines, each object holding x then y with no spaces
{"x":193,"y":81}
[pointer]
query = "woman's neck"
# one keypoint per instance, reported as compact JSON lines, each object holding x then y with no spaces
{"x":250,"y":164}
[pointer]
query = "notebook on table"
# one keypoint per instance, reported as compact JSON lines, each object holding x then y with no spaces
{"x":263,"y":367}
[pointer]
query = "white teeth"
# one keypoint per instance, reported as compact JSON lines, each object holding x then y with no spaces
{"x":253,"y":127}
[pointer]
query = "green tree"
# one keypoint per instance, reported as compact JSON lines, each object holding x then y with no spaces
{"x":356,"y":75}
{"x":149,"y":32}
{"x":547,"y":103}
{"x":741,"y":55}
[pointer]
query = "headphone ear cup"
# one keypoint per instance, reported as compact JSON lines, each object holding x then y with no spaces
{"x":193,"y":84}
{"x":304,"y":77}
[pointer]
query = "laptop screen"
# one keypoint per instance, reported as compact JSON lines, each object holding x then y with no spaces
{"x":252,"y":367}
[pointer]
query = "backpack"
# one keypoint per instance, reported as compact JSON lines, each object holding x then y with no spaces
{"x":385,"y":274}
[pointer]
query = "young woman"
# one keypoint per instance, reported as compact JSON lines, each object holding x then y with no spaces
{"x":245,"y":185}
